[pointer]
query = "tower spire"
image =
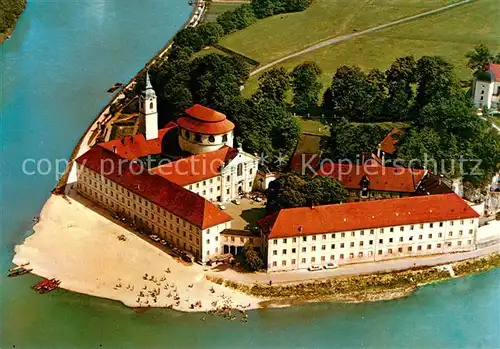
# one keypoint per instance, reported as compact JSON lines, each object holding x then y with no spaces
{"x":148,"y":82}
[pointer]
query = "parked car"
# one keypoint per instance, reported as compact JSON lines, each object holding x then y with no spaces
{"x":314,"y":268}
{"x":163,"y":242}
{"x":187,"y":257}
{"x":258,"y":199}
{"x":221,"y":207}
{"x":169,"y":244}
{"x":155,"y":238}
{"x":235,"y":201}
{"x":330,"y":266}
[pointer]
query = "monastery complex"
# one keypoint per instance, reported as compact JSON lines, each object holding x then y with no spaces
{"x":196,"y":169}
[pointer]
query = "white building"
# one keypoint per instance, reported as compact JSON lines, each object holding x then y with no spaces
{"x":486,"y":88}
{"x":298,"y":238}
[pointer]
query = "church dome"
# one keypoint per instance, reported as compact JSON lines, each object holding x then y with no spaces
{"x":203,"y":120}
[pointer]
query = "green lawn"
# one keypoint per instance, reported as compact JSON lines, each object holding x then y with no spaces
{"x":277,"y":36}
{"x":217,"y":8}
{"x":450,"y":34}
{"x":313,"y":126}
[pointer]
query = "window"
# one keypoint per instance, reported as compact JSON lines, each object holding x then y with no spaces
{"x":352,"y":244}
{"x":333,"y":246}
{"x":420,"y":237}
{"x":294,"y":240}
{"x":314,"y":237}
{"x":341,"y":256}
{"x":419,"y":248}
{"x":324,"y":237}
{"x":452,"y":222}
{"x":275,"y":242}
{"x":351,"y":255}
{"x":342,"y":235}
{"x":401,"y":228}
{"x":313,"y":248}
{"x":342,"y":245}
{"x":208,"y":241}
{"x":438,"y":245}
{"x":440,"y":235}
{"x":389,"y":251}
{"x":197,"y":138}
{"x":462,"y":222}
{"x":380,"y":241}
{"x":429,"y":247}
{"x":361,"y":243}
{"x":304,"y":238}
{"x":431,"y":225}
{"x":469,"y":242}
{"x":409,"y":249}
{"x":390,"y":239}
{"x":450,"y":233}
{"x":322,"y":258}
{"x":284,"y":251}
{"x":440,"y":224}
{"x":401,"y":239}
{"x":323,"y":247}
{"x":228,"y":178}
{"x":294,"y":250}
{"x":362,"y":233}
{"x":379,"y":252}
{"x":371,"y":242}
{"x":313,"y":259}
{"x":332,"y":257}
{"x":459,"y":243}
{"x":412,"y":227}
{"x":275,"y":264}
{"x":224,"y":138}
{"x":284,"y":241}
{"x":303,"y":260}
{"x":211,"y":139}
{"x":448,"y":244}
{"x":239,"y":170}
{"x":471,"y":232}
{"x":460,"y":232}
{"x":410,"y":238}
{"x":391,"y":230}
{"x":303,"y":249}
{"x":400,"y":249}
{"x":353,"y":233}
{"x":293,"y":261}
{"x":333,"y":236}
{"x":250,"y":172}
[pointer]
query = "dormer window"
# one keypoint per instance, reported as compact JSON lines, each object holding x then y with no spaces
{"x":197,"y":138}
{"x":224,"y":138}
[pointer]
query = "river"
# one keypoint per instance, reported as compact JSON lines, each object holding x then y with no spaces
{"x":54,"y":71}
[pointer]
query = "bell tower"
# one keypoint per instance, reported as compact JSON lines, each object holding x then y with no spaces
{"x":149,"y":113}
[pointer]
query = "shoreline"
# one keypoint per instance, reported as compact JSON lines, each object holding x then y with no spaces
{"x":10,"y":30}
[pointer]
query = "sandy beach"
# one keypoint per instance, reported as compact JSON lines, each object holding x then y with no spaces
{"x":75,"y":243}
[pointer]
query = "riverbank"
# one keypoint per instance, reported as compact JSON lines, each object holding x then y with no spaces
{"x":361,"y":288}
{"x":80,"y":244}
{"x":10,"y":11}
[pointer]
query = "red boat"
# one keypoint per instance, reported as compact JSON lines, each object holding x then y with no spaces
{"x":45,"y":286}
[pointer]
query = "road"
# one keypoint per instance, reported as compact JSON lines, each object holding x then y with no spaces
{"x":341,"y":38}
{"x":355,"y":269}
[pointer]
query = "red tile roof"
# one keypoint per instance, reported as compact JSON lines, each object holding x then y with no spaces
{"x":203,"y":113}
{"x":300,"y":160}
{"x":203,"y":120}
{"x":170,"y":196}
{"x":495,"y":69}
{"x":137,"y":146}
{"x":389,"y":143}
{"x":366,"y":215}
{"x":196,"y":168}
{"x":392,"y":179}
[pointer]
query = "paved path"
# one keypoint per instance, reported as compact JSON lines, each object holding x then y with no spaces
{"x":350,"y":36}
{"x":355,"y":269}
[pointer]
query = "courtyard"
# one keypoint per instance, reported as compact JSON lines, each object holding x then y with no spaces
{"x":246,"y":214}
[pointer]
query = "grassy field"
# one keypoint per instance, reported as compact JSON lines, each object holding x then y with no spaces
{"x":277,"y":36}
{"x":450,"y":34}
{"x":216,"y":8}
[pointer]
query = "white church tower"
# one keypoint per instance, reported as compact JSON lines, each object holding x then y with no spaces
{"x":149,"y":113}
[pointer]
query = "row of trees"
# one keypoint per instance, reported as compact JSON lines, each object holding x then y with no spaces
{"x":243,"y":16}
{"x":397,"y":94}
{"x":481,"y":56}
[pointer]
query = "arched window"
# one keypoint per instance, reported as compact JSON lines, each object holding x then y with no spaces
{"x":151,"y":105}
{"x":239,"y":169}
{"x":211,"y":139}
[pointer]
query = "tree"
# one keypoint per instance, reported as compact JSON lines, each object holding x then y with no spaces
{"x":479,"y":58}
{"x":292,"y":190}
{"x":189,"y":37}
{"x":306,"y":86}
{"x":350,"y":142}
{"x":435,"y":80}
{"x":240,"y":18}
{"x":252,"y":259}
{"x":350,"y":93}
{"x":377,"y":93}
{"x":400,"y":77}
{"x":273,"y":84}
{"x":210,"y":33}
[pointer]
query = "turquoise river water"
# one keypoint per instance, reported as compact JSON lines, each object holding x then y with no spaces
{"x":54,"y":71}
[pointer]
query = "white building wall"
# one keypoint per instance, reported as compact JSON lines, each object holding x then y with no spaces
{"x":205,"y":143}
{"x":300,"y":252}
{"x":225,"y":187}
{"x":483,"y":93}
{"x":145,"y":214}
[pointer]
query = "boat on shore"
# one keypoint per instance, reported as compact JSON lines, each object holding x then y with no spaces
{"x":46,"y":285}
{"x":115,"y":86}
{"x":19,"y":266}
{"x":18,"y":272}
